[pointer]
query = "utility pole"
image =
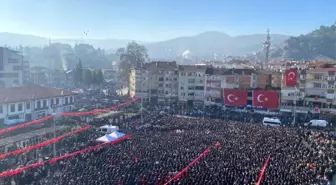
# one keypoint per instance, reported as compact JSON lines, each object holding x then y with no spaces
{"x":295,"y":99}
{"x":54,"y":121}
{"x":141,"y":109}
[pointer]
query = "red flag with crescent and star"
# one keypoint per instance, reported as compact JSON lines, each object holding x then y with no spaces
{"x":290,"y":77}
{"x":266,"y":99}
{"x":233,"y":97}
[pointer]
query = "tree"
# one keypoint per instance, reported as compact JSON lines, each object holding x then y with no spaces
{"x":98,"y":77}
{"x":88,"y":77}
{"x":134,"y":55}
{"x":79,"y":73}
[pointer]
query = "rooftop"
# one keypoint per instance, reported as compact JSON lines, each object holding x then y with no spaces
{"x":195,"y":68}
{"x":19,"y":94}
{"x":159,"y":65}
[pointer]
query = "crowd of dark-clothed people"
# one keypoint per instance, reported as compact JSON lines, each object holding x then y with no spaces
{"x":163,"y":144}
{"x":159,"y":151}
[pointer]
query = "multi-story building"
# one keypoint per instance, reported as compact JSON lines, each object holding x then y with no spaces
{"x":162,"y":82}
{"x":38,"y":76}
{"x":192,"y":83}
{"x":110,"y":73}
{"x":218,"y":79}
{"x":139,"y":83}
{"x":157,"y":82}
{"x":314,"y":88}
{"x":11,"y":65}
{"x":320,"y":89}
{"x":33,"y":102}
{"x":25,"y":72}
{"x":56,"y":78}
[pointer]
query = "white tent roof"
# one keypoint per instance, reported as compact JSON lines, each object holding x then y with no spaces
{"x":117,"y":134}
{"x":110,"y":137}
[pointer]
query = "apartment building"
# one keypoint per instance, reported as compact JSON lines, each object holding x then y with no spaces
{"x":191,"y":80}
{"x":320,"y":89}
{"x":156,"y":81}
{"x":314,"y":92}
{"x":52,"y":78}
{"x":11,"y":68}
{"x":25,"y":71}
{"x":138,"y":82}
{"x":38,"y":75}
{"x":218,"y":79}
{"x":19,"y":104}
{"x":163,"y":82}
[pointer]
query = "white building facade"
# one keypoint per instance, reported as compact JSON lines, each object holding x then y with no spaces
{"x":191,"y":84}
{"x":36,"y":103}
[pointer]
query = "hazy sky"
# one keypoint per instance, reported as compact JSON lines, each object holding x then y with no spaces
{"x":151,"y":20}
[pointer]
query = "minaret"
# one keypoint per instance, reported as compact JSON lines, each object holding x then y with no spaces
{"x":267,"y":45}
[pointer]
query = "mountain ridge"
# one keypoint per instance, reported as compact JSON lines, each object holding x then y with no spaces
{"x":176,"y":45}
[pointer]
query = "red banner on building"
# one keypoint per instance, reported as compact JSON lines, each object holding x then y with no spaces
{"x":266,"y":99}
{"x":234,"y":97}
{"x":290,"y":77}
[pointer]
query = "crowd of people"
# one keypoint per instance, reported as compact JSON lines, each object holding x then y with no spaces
{"x":156,"y":153}
{"x":161,"y":145}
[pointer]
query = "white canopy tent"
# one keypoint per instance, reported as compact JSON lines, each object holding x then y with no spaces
{"x":110,"y":137}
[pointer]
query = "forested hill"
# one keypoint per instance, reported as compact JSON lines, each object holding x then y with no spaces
{"x":319,"y":44}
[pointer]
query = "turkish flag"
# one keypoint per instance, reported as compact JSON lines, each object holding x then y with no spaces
{"x":234,"y":97}
{"x":266,"y":99}
{"x":290,"y":77}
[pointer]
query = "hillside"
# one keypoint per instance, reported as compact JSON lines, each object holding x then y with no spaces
{"x":208,"y":43}
{"x":205,"y":44}
{"x":319,"y":44}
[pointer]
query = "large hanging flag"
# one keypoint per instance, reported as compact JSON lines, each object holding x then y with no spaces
{"x":290,"y":77}
{"x":266,"y":99}
{"x":233,"y":97}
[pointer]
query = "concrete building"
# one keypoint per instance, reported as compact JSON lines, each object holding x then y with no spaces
{"x":110,"y":73}
{"x":314,"y":88}
{"x":38,"y":75}
{"x":31,"y":103}
{"x":11,"y":68}
{"x":191,"y":84}
{"x":157,"y":82}
{"x":320,"y":89}
{"x":162,"y":82}
{"x":139,"y":83}
{"x":25,"y":72}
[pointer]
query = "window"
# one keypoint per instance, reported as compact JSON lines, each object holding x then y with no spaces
{"x":27,"y":105}
{"x":57,"y":101}
{"x":71,"y":99}
{"x":12,"y":107}
{"x":38,"y":104}
{"x":16,"y":68}
{"x":66,"y":100}
{"x":44,"y":103}
{"x":317,"y":85}
{"x":51,"y":102}
{"x":1,"y":109}
{"x":9,"y":75}
{"x":20,"y":107}
{"x":13,"y":61}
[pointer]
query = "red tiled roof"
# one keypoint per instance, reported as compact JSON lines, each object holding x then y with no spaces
{"x":17,"y":94}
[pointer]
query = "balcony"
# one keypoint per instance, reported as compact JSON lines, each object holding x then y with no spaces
{"x":297,"y":108}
